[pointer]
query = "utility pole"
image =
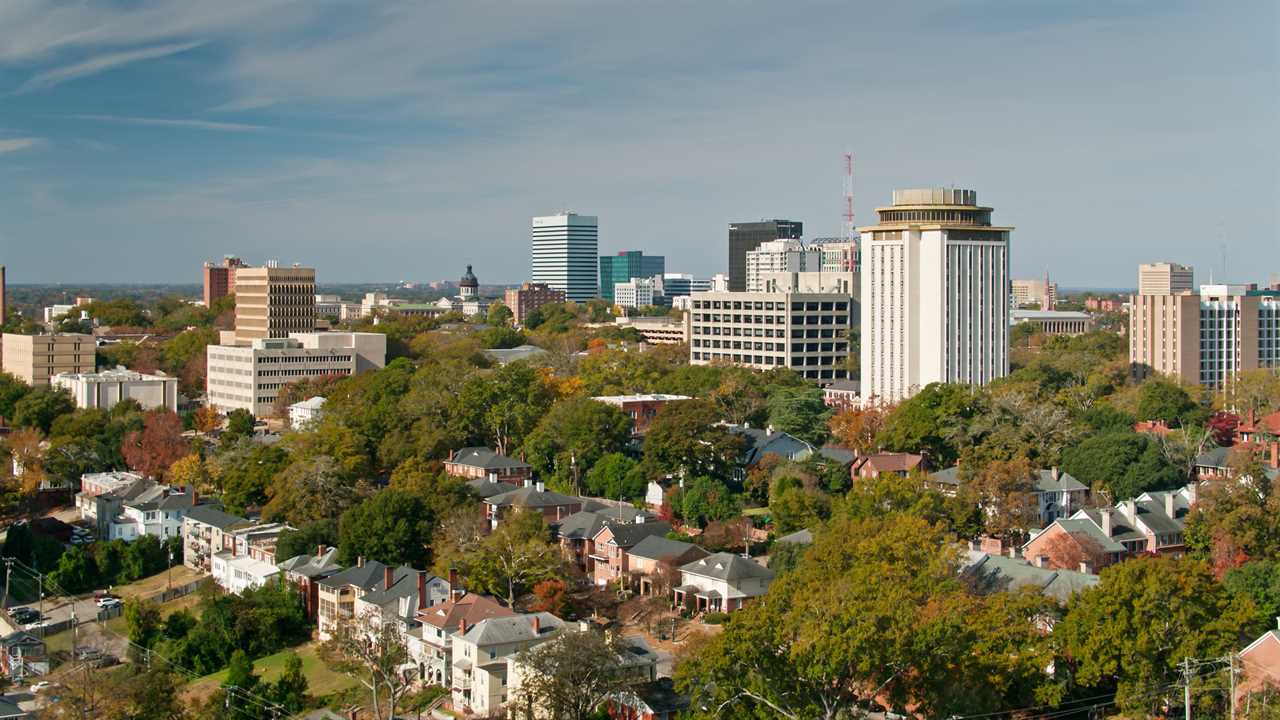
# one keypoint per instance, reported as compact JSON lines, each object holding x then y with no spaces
{"x":1231,"y":671}
{"x":8,"y":570}
{"x":75,"y":629}
{"x":1186,"y":685}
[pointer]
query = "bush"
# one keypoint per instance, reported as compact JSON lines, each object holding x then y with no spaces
{"x":715,"y":618}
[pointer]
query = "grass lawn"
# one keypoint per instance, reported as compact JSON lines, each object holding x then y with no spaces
{"x":321,"y":680}
{"x":156,"y":584}
{"x":752,"y":512}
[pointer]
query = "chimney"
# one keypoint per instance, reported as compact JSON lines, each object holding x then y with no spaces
{"x":388,"y":577}
{"x":1131,"y":509}
{"x":540,"y":486}
{"x":422,"y":589}
{"x":1012,"y":552}
{"x":1169,"y":508}
{"x":1041,"y":561}
{"x":195,"y":497}
{"x":360,"y":561}
{"x":1106,"y":521}
{"x":1053,"y":472}
{"x":353,"y":713}
{"x":537,"y":625}
{"x":462,"y":626}
{"x":452,"y":453}
{"x":455,"y":589}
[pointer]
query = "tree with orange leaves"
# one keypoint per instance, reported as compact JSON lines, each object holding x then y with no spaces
{"x":856,"y":428}
{"x":157,"y":446}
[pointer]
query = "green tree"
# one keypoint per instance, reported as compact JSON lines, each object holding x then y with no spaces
{"x":578,"y":431}
{"x":686,"y":439}
{"x":1236,"y":518}
{"x":311,"y":489}
{"x":39,"y":407}
{"x":142,"y":617}
{"x":499,"y":314}
{"x":1122,"y":464}
{"x":391,"y":526}
{"x":1160,"y":399}
{"x":11,"y":391}
{"x":1131,"y":632}
{"x":800,"y":412}
{"x":289,"y":691}
{"x":1258,"y":581}
{"x":704,"y":500}
{"x":76,"y":572}
{"x":502,"y":408}
{"x":240,"y":424}
{"x":509,"y":561}
{"x":571,"y":675}
{"x":307,"y":539}
{"x":928,"y":419}
{"x":616,"y":476}
{"x":243,"y":472}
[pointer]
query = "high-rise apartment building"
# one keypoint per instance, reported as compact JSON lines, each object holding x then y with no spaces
{"x":566,"y":253}
{"x":625,"y":266}
{"x":34,"y":359}
{"x":807,"y":332}
{"x":272,"y":302}
{"x":744,"y":237}
{"x":1203,"y":337}
{"x":935,"y":294}
{"x":1164,"y":278}
{"x":529,"y":297}
{"x":220,"y":280}
{"x":779,"y":256}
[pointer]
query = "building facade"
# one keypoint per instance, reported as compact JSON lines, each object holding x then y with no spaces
{"x":1054,"y":322}
{"x":1041,"y":293}
{"x":250,"y":377}
{"x":1205,"y":337}
{"x":272,"y":302}
{"x":1165,"y":278}
{"x":566,"y":253}
{"x":779,"y":256}
{"x":747,"y":236}
{"x":220,"y":280}
{"x":628,"y":265}
{"x":683,"y":284}
{"x":657,"y":330}
{"x":104,"y":389}
{"x":35,"y":359}
{"x":807,"y":332}
{"x":634,"y":293}
{"x":935,"y":304}
{"x":529,"y":297}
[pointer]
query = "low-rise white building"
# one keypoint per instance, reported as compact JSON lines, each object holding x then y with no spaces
{"x":807,"y":332}
{"x":636,"y":292}
{"x":482,"y":656}
{"x":237,"y":574}
{"x":106,"y":388}
{"x":248,"y":377}
{"x":303,"y":414}
{"x":721,"y":582}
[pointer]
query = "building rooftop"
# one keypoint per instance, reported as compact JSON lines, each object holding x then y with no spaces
{"x":513,"y":629}
{"x":313,"y":403}
{"x":532,"y":497}
{"x":727,"y":566}
{"x":214,"y":515}
{"x":657,"y":547}
{"x":1021,"y":315}
{"x":118,"y":374}
{"x":486,"y":459}
{"x":643,"y":397}
{"x":996,"y":573}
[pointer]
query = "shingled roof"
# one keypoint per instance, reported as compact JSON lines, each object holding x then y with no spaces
{"x":727,"y":566}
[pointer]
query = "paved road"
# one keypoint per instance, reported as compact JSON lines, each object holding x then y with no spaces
{"x":58,"y":610}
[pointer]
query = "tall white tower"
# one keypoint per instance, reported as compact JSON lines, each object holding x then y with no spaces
{"x":565,"y":252}
{"x":935,"y":294}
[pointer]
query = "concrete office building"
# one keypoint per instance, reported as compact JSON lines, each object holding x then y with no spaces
{"x":637,"y":292}
{"x":626,"y":266}
{"x":250,"y":376}
{"x":273,"y":302}
{"x":779,"y":256}
{"x":745,"y":237}
{"x":566,"y":253}
{"x":838,"y":254}
{"x":682,"y":284}
{"x":657,"y":330}
{"x":1203,"y":337}
{"x":220,"y":280}
{"x":1034,"y":292}
{"x":1054,"y":322}
{"x":935,"y":294}
{"x":1165,"y":278}
{"x":104,"y":389}
{"x":34,"y":359}
{"x":807,"y":332}
{"x":529,"y":297}
{"x":816,"y":281}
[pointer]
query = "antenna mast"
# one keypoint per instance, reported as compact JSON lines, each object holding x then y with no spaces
{"x":848,"y":198}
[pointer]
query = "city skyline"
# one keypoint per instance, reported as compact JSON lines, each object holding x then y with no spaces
{"x":418,"y":139}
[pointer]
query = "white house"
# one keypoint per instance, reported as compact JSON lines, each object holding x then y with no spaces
{"x":106,"y":388}
{"x":157,"y":511}
{"x":237,"y":574}
{"x":721,"y":582}
{"x":303,"y":414}
{"x":482,"y":654}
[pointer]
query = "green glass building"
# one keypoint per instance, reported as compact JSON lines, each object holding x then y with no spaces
{"x":627,"y":265}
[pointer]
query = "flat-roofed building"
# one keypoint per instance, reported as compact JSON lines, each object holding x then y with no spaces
{"x":220,"y":280}
{"x":634,"y":293}
{"x":34,"y":359}
{"x":249,"y":377}
{"x":1165,"y":278}
{"x":274,"y":302}
{"x":807,"y":332}
{"x":657,"y":330}
{"x":529,"y":297}
{"x":642,"y":409}
{"x":1054,"y":322}
{"x":106,"y":388}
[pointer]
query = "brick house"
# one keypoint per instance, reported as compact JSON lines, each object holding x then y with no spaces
{"x":654,"y":700}
{"x":611,"y":543}
{"x":1153,"y":523}
{"x":305,"y":573}
{"x":652,"y":562}
{"x":531,"y":496}
{"x":475,"y":463}
{"x":642,"y":409}
{"x":576,"y":535}
{"x":1260,"y":669}
{"x":870,"y":467}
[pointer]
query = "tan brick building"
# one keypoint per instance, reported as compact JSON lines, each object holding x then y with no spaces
{"x":36,"y":358}
{"x":272,"y":302}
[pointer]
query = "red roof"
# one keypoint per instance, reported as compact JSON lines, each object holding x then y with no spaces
{"x":472,"y":608}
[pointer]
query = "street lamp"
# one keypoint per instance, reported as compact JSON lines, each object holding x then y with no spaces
{"x":169,"y":571}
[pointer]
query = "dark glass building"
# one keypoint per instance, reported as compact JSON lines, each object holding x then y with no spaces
{"x":744,"y":237}
{"x":625,"y":265}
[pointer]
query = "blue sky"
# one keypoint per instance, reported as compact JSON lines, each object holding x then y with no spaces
{"x":382,"y":141}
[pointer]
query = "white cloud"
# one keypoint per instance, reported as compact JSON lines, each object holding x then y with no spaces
{"x":8,"y":145}
{"x":101,"y":63}
{"x":172,"y":122}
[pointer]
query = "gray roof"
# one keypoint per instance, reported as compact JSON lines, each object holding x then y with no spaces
{"x":845,"y":385}
{"x":581,"y":525}
{"x":532,"y":497}
{"x":841,"y":455}
{"x":213,"y":515}
{"x":760,"y":442}
{"x":163,"y":497}
{"x":995,"y":573}
{"x":801,"y":537}
{"x":949,"y":476}
{"x":657,"y":547}
{"x":484,"y":487}
{"x":1064,"y":482}
{"x":517,"y":628}
{"x":1216,"y":458}
{"x":313,"y":566}
{"x":1090,"y":528}
{"x":522,"y":352}
{"x":727,"y":566}
{"x":9,"y":710}
{"x":404,"y":584}
{"x":628,"y":534}
{"x":484,"y":458}
{"x":366,"y":576}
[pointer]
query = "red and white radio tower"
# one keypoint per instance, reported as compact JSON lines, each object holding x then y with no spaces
{"x":848,"y":198}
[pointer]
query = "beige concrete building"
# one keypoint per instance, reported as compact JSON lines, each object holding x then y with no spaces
{"x":1164,"y":278}
{"x":1054,"y":322}
{"x":104,"y":389}
{"x":272,"y":302}
{"x":1203,"y":337}
{"x":250,"y":376}
{"x":36,"y":358}
{"x":1034,"y":292}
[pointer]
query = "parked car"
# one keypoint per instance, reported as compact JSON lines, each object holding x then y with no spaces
{"x":99,"y":594}
{"x":108,"y":602}
{"x":25,"y":615}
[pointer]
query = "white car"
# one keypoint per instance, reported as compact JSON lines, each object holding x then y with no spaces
{"x":42,"y":686}
{"x":36,"y":625}
{"x":108,"y":602}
